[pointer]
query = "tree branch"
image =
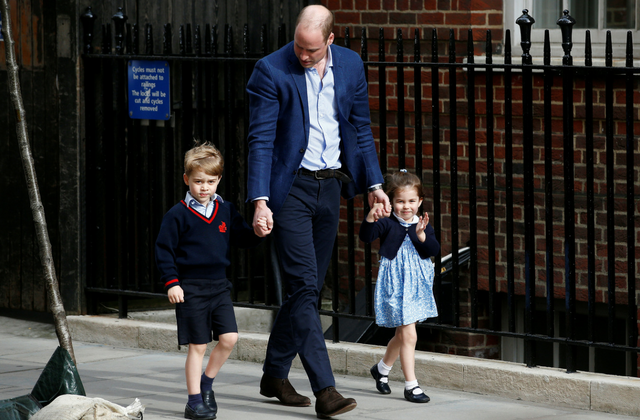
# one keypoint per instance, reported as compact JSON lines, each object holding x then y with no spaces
{"x":37,"y":209}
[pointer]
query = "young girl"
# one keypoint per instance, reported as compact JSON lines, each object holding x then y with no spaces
{"x":404,"y":293}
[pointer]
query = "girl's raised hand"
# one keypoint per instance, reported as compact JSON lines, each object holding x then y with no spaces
{"x":421,"y":226}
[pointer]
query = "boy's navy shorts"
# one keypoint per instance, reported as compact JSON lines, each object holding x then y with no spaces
{"x":207,"y":311}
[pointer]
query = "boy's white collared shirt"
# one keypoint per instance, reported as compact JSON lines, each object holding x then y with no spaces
{"x":207,"y":210}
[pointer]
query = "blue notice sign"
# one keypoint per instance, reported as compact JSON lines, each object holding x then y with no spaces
{"x":1,"y":38}
{"x":149,"y":96}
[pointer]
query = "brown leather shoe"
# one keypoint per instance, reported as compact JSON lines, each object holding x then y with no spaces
{"x":282,"y":390}
{"x":329,"y":403}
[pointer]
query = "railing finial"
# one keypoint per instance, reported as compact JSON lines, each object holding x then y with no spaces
{"x":525,"y":22}
{"x":363,"y":44}
{"x":566,"y":23}
{"x":245,"y":40}
{"x":119,"y":19}
{"x":87,"y":29}
{"x":347,"y":38}
{"x":166,"y":39}
{"x":197,"y":41}
{"x":263,"y":40}
{"x":148,"y":39}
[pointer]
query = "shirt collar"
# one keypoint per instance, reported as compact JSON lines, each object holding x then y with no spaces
{"x":329,"y":62}
{"x":193,"y":202}
{"x":405,"y":223}
{"x":329,"y":57}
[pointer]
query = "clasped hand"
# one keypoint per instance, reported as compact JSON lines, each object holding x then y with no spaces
{"x":377,"y":212}
{"x":262,"y":219}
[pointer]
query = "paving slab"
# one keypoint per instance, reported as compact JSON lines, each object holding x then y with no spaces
{"x":119,"y":374}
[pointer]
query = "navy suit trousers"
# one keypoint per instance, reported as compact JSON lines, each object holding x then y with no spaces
{"x":304,"y":233}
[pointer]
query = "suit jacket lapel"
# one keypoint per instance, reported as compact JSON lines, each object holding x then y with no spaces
{"x":297,"y":73}
{"x":338,"y":77}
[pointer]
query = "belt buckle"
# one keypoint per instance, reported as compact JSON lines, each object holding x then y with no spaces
{"x":318,"y":177}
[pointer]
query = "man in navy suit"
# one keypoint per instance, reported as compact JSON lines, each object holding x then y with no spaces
{"x":309,"y":141}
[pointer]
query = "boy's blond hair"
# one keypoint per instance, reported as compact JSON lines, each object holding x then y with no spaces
{"x":206,"y":158}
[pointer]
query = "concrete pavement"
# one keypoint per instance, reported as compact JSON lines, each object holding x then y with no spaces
{"x":120,"y":374}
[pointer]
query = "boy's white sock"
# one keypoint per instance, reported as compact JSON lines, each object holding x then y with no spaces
{"x":409,"y":385}
{"x":383,"y":368}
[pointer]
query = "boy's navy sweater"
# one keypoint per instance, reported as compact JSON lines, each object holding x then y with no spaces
{"x":191,"y":246}
{"x":392,"y":233}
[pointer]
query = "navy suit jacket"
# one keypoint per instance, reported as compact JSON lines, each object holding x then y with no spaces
{"x":279,"y":124}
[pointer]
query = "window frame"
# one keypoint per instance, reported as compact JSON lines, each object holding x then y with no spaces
{"x":513,"y":10}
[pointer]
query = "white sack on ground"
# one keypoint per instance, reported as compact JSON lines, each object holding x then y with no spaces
{"x":77,"y":407}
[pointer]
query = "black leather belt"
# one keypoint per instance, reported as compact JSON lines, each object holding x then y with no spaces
{"x":325,"y":174}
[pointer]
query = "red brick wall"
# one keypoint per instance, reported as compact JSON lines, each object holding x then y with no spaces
{"x":580,"y":185}
{"x":408,"y":15}
{"x":482,"y":15}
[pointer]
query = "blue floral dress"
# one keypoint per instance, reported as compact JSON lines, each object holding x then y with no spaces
{"x":404,"y":289}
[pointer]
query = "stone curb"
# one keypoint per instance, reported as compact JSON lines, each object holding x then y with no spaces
{"x":588,"y":391}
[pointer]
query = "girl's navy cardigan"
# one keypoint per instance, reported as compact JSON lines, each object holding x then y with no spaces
{"x":191,"y":246}
{"x":392,"y":233}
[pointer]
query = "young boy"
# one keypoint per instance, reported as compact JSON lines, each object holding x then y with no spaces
{"x":192,"y":253}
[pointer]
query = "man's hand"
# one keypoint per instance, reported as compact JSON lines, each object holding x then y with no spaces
{"x":261,"y":214}
{"x":379,"y":196}
{"x":176,"y":294}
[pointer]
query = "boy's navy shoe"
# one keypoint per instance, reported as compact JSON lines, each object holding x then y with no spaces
{"x":201,"y":412}
{"x":383,"y":387}
{"x":209,"y":400}
{"x":419,"y":398}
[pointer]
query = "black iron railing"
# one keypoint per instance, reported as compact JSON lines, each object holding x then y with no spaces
{"x":503,"y":180}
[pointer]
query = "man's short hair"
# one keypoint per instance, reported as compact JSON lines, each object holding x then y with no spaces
{"x":206,"y":158}
{"x":311,"y":19}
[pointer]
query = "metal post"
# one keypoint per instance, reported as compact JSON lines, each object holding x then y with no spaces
{"x":525,"y":22}
{"x":368,"y":280}
{"x":491,"y":202}
{"x":473,"y":200}
{"x":417,"y":88}
{"x":435,"y":140}
{"x":400,"y":96}
{"x":508,"y":139}
{"x":382,"y":92}
{"x":453,"y":176}
{"x":566,"y":23}
{"x":591,"y":242}
{"x":632,"y":314}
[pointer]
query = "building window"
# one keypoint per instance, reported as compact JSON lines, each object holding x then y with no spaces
{"x":597,"y":16}
{"x":589,"y":14}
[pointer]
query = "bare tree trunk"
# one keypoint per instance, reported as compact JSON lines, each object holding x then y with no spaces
{"x":53,"y":289}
